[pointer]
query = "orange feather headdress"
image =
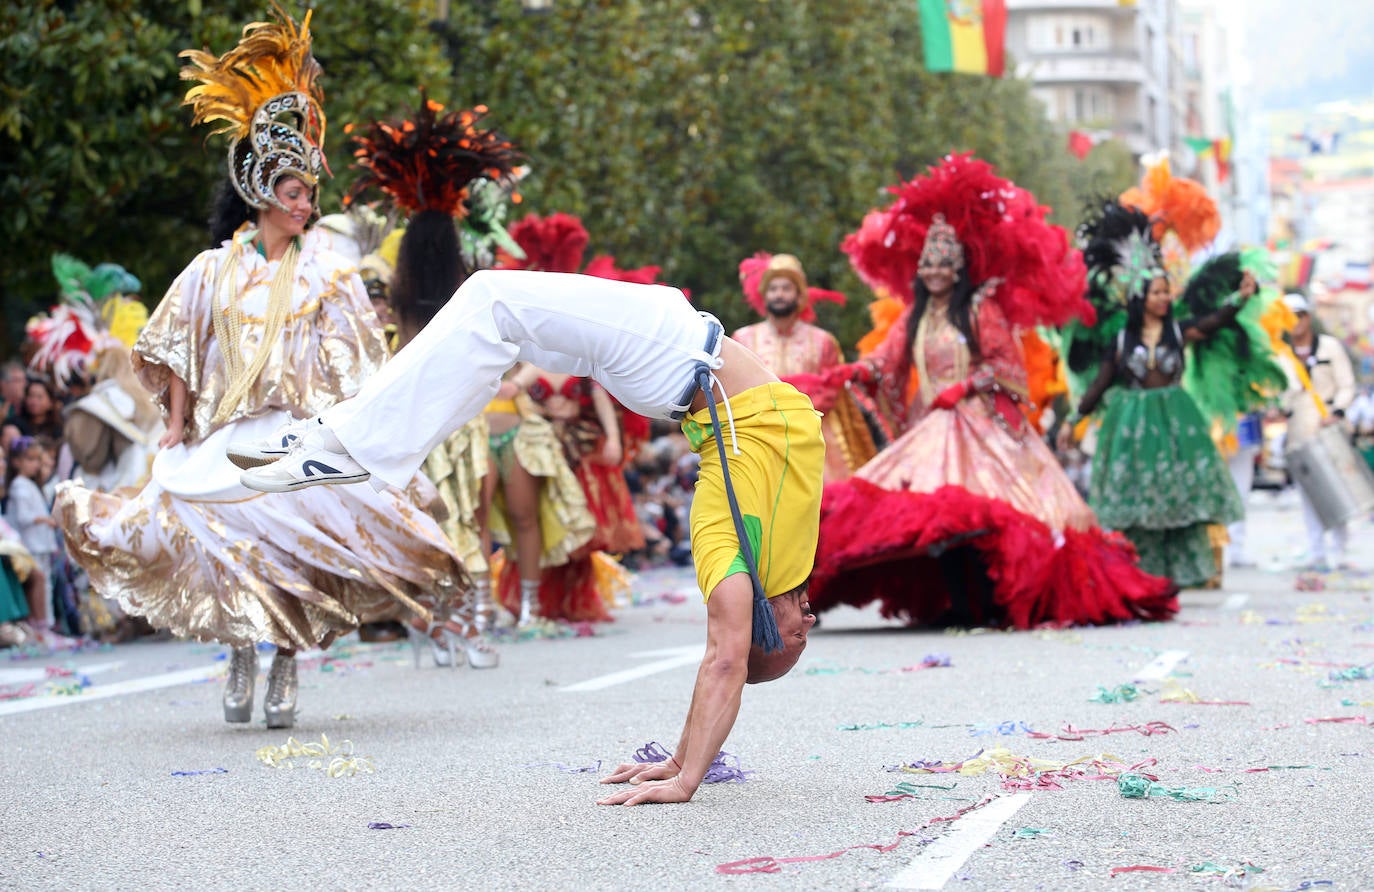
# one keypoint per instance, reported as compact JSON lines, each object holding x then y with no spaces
{"x":264,"y":95}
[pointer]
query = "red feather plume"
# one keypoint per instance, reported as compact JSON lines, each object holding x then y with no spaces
{"x":1003,"y":231}
{"x":553,"y":244}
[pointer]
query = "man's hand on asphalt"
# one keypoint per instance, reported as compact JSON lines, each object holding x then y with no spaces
{"x":653,"y":791}
{"x":638,"y":772}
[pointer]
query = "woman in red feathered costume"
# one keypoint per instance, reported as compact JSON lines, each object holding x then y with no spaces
{"x":598,"y":436}
{"x":979,"y":524}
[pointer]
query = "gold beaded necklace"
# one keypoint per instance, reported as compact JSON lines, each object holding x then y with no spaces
{"x":226,"y":312}
{"x":929,"y":328}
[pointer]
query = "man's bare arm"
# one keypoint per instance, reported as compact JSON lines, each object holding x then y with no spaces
{"x":715,"y":699}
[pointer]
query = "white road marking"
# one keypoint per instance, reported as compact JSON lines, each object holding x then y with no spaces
{"x":1235,"y":602}
{"x":24,"y":676}
{"x":939,"y":861}
{"x":674,"y":658}
{"x":118,"y":689}
{"x":1161,"y":665}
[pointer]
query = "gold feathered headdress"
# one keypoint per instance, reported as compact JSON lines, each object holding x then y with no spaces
{"x":265,"y":96}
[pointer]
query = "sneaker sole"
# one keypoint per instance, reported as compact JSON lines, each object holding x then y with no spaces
{"x":247,"y":462}
{"x":294,"y":485}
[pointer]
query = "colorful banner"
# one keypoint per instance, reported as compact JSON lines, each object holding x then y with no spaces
{"x":967,"y":36}
{"x":1221,"y":148}
{"x":1357,"y":276}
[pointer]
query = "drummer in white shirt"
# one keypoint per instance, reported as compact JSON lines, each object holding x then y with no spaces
{"x":1333,"y":382}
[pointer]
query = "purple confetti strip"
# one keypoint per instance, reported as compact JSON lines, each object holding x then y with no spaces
{"x":383,"y":825}
{"x":1005,"y":729}
{"x":197,"y":773}
{"x":726,"y":769}
{"x":570,"y":769}
{"x":652,"y":751}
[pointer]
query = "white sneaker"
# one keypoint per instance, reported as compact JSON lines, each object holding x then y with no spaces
{"x":256,"y":453}
{"x":316,"y":457}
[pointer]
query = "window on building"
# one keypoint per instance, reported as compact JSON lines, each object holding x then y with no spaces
{"x":1067,"y":33}
{"x":1091,"y":104}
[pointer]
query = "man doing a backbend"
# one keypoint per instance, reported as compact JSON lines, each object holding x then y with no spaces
{"x":653,"y":352}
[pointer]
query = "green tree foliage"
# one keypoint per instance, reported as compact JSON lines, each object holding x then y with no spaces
{"x":97,"y":157}
{"x":685,"y":134}
{"x":692,"y":135}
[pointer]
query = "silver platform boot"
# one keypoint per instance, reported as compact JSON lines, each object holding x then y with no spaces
{"x":483,"y":607}
{"x":238,"y":687}
{"x":280,"y":703}
{"x":529,"y":602}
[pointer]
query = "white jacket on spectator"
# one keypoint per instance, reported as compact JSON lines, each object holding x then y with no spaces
{"x":1333,"y":381}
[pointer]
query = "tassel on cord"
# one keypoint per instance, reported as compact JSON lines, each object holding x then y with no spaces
{"x":765,"y":631}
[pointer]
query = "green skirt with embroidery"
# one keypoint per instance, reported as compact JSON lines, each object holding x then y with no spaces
{"x":1159,"y":480}
{"x":13,"y":604}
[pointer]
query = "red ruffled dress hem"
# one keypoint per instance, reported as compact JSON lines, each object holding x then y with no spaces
{"x":881,"y":545}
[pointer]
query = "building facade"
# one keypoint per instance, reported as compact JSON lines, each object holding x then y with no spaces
{"x":1100,"y":65}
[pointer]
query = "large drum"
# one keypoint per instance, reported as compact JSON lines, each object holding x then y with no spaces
{"x":1334,"y":476}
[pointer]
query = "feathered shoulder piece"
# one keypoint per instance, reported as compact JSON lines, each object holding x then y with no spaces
{"x":1003,"y":232}
{"x":754,"y":273}
{"x":1233,"y":371}
{"x":264,"y":94}
{"x":1175,"y":204}
{"x":430,"y":161}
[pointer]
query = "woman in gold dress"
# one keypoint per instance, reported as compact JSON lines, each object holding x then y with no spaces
{"x":269,"y":326}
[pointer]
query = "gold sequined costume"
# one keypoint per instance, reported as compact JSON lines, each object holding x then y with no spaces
{"x":194,"y":551}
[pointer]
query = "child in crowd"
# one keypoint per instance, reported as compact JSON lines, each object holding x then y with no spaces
{"x":27,"y":512}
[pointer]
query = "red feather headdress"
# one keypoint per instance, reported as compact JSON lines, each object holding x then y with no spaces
{"x":1003,"y":231}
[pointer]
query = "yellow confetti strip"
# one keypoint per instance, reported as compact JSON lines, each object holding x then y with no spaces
{"x":1176,"y":693}
{"x":334,"y":760}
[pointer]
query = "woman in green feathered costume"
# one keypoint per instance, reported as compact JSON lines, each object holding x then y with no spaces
{"x":1157,"y":475}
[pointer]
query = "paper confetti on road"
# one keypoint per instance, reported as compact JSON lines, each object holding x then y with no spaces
{"x":770,"y":864}
{"x":1123,"y":693}
{"x":1026,"y":773}
{"x":334,"y":760}
{"x":1135,"y":786}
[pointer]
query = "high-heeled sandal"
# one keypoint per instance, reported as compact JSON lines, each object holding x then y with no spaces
{"x":478,"y":650}
{"x":442,"y":651}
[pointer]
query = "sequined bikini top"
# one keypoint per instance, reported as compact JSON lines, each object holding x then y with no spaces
{"x":1167,"y":359}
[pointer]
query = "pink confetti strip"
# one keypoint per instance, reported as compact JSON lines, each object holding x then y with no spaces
{"x":1140,"y":868}
{"x":770,"y":864}
{"x":1339,"y":720}
{"x":1069,"y":732}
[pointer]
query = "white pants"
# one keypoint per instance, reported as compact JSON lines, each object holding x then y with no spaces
{"x":1316,"y":534}
{"x":1242,"y":467}
{"x":642,"y":343}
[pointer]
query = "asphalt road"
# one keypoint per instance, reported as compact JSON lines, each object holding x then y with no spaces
{"x":129,"y":778}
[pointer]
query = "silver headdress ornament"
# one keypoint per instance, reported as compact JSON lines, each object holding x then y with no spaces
{"x":942,"y":245}
{"x":264,"y":95}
